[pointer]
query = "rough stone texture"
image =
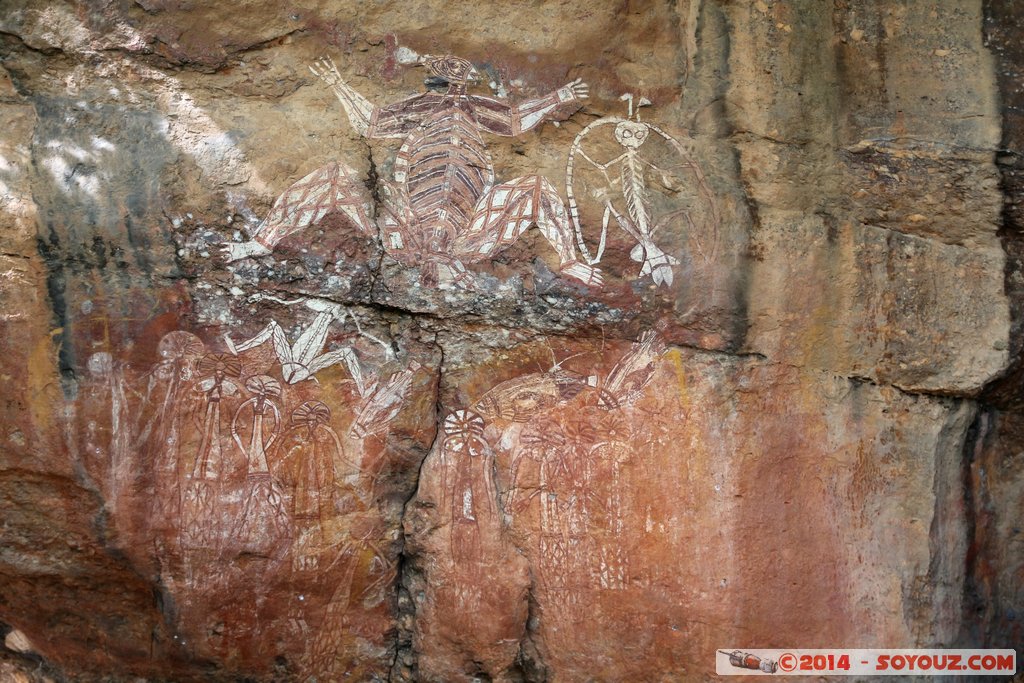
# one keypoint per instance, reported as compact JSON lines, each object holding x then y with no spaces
{"x":995,"y":595}
{"x":612,"y":510}
{"x":867,"y":272}
{"x":808,"y":437}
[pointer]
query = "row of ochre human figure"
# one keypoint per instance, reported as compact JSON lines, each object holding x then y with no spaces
{"x":225,"y":458}
{"x":203,"y":421}
{"x":223,"y":476}
{"x":565,"y":469}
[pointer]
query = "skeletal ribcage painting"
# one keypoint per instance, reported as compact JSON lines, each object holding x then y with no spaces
{"x":635,"y":189}
{"x":227,"y":482}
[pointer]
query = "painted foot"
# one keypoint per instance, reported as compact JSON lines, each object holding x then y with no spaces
{"x":588,"y":275}
{"x":655,"y":263}
{"x":233,"y":251}
{"x":458,"y":274}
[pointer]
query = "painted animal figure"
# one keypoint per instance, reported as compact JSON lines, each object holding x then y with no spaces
{"x":443,"y":208}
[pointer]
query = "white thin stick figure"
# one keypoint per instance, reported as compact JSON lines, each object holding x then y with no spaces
{"x":636,"y":220}
{"x":303,"y":358}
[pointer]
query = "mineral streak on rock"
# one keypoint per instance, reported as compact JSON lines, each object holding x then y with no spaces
{"x":554,"y":341}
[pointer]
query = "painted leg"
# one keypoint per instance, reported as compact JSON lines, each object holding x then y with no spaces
{"x":395,"y":218}
{"x":653,"y":260}
{"x":272,"y":331}
{"x":510,"y":209}
{"x":326,"y":190}
{"x":307,"y":347}
{"x":346,"y":356}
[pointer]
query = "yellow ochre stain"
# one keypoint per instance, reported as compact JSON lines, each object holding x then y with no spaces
{"x":42,"y":381}
{"x":677,"y":364}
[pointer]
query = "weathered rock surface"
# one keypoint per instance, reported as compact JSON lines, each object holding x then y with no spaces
{"x":411,"y":435}
{"x":674,"y":514}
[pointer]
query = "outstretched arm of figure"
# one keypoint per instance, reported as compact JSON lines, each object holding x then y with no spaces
{"x":497,"y":117}
{"x":272,"y":332}
{"x":604,"y":166}
{"x":343,"y":355}
{"x":388,"y":352}
{"x":530,"y":113}
{"x":358,"y":108}
{"x":667,"y":180}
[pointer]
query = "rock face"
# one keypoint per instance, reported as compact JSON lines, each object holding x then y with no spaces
{"x":553,"y":342}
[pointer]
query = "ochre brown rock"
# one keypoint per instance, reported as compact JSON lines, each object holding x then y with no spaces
{"x":674,"y":515}
{"x":440,"y":370}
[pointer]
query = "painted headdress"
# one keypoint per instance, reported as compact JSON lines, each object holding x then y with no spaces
{"x":451,"y":68}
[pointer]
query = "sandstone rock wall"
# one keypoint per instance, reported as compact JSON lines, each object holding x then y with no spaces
{"x":413,"y":433}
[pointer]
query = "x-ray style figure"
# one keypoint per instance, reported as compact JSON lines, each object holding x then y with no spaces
{"x":381,"y":400}
{"x":636,"y":217}
{"x":443,"y":208}
{"x":199,"y":528}
{"x":466,"y":458}
{"x":631,"y":375}
{"x":309,"y":463}
{"x":303,"y":358}
{"x":264,"y":519}
{"x":516,"y":400}
{"x":526,"y":397}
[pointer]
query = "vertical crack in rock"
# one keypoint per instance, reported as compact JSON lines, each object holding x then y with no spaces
{"x":1003,"y":37}
{"x":529,"y":659}
{"x":976,"y":596}
{"x":374,"y":187}
{"x":993,"y":598}
{"x":707,"y":18}
{"x":404,"y":660}
{"x":938,"y":595}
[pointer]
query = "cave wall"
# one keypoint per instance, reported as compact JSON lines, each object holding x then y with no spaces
{"x":779,"y":408}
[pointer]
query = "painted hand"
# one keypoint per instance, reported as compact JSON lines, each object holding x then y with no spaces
{"x":576,"y":90}
{"x":326,"y":71}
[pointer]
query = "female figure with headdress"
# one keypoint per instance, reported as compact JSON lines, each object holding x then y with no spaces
{"x":306,"y":467}
{"x":466,"y":455}
{"x":199,"y":524}
{"x":263,"y":520}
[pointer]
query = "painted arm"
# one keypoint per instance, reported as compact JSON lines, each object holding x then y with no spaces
{"x":530,"y":113}
{"x":369,"y":120}
{"x":501,"y":119}
{"x":359,"y":109}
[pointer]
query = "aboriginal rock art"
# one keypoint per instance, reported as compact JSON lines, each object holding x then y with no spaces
{"x":311,"y":463}
{"x":263,"y":521}
{"x":574,"y":460}
{"x":621,"y":187}
{"x":199,"y":528}
{"x":467,"y":459}
{"x":303,"y":358}
{"x":539,"y":484}
{"x":381,"y":401}
{"x":246,"y":476}
{"x":443,"y":208}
